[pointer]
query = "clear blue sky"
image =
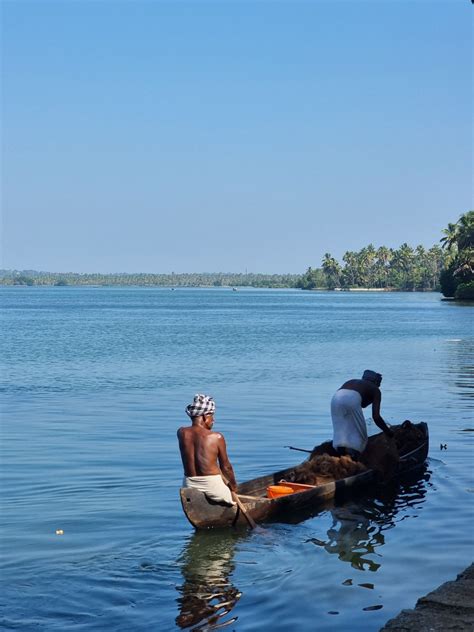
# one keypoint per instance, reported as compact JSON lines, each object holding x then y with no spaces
{"x":195,"y":136}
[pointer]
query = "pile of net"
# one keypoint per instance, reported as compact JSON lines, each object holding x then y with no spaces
{"x":381,"y":454}
{"x":324,"y":468}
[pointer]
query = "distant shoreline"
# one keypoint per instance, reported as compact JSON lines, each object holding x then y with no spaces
{"x":35,"y":278}
{"x":235,"y":287}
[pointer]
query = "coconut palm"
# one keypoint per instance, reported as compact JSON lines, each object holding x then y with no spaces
{"x":465,"y":232}
{"x":384,"y":256}
{"x":449,"y":241}
{"x":332,"y":270}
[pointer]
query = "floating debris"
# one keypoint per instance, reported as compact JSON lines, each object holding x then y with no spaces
{"x":371,"y":586}
{"x":378,"y":607}
{"x":347,"y":582}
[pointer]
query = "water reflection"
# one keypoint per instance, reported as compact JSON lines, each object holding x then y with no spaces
{"x":207,"y":594}
{"x":357,"y":530}
{"x":352,"y":537}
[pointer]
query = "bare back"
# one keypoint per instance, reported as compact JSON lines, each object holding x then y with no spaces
{"x":368,"y":392}
{"x":199,"y":449}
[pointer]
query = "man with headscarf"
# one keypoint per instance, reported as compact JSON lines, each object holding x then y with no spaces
{"x":349,"y":427}
{"x":204,"y":453}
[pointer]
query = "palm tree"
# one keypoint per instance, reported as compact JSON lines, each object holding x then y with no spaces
{"x":350,"y":269}
{"x":465,"y":232}
{"x":465,"y":264}
{"x":384,"y":256}
{"x":332,"y":270}
{"x":449,"y":241}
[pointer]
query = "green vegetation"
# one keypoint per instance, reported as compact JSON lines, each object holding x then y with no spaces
{"x":449,"y":268}
{"x":220,"y":279}
{"x":405,"y":269}
{"x":457,"y":280}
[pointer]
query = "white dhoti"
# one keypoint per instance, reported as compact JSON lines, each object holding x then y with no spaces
{"x":213,"y":486}
{"x":349,"y":427}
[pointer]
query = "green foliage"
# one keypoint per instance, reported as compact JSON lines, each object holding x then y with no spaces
{"x":465,"y":291}
{"x":205,"y":279}
{"x":23,"y":280}
{"x":459,"y":245}
{"x":448,"y":282}
{"x":332,"y":271}
{"x":405,"y":269}
{"x":312,"y":279}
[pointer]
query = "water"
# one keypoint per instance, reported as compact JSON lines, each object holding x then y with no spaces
{"x":94,"y":382}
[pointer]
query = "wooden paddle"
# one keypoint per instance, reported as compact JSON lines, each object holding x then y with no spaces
{"x":240,"y":505}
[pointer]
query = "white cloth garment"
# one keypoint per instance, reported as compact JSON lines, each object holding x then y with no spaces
{"x":213,"y":486}
{"x":349,"y":427}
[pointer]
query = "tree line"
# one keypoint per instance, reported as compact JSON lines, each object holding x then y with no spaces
{"x":448,"y":267}
{"x":205,"y":279}
{"x":403,"y":269}
{"x":457,"y":278}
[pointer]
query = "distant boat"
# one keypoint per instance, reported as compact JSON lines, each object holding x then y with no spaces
{"x":234,"y":289}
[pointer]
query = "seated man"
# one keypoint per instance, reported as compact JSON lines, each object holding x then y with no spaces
{"x":204,"y":453}
{"x":350,"y":430}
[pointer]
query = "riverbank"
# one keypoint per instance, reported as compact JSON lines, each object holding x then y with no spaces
{"x":449,"y":607}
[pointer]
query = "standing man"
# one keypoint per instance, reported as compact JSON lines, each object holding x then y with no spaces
{"x":204,"y":453}
{"x":349,"y":427}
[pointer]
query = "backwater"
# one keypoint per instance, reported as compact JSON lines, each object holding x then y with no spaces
{"x":94,"y":383}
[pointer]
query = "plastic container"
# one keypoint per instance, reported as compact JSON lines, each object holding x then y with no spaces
{"x":296,"y":487}
{"x":275,"y":491}
{"x":283,"y":488}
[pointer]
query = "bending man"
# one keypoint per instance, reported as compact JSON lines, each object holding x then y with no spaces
{"x":204,"y":453}
{"x":349,"y":427}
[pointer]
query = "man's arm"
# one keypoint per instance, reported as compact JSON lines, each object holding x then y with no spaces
{"x":376,"y":416}
{"x":225,"y":464}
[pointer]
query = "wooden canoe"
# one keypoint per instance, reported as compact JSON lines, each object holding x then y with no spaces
{"x":203,"y":513}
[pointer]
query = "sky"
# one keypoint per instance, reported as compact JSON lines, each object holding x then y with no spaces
{"x":149,"y":136}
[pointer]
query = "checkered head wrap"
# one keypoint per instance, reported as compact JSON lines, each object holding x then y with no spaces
{"x":372,"y":376}
{"x":202,"y":405}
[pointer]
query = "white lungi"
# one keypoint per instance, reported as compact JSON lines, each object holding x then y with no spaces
{"x":348,"y":422}
{"x":213,"y":486}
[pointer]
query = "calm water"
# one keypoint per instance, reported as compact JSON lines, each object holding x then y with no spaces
{"x":94,"y":383}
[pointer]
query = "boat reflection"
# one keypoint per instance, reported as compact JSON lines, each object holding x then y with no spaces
{"x":358,"y":526}
{"x":207,"y":594}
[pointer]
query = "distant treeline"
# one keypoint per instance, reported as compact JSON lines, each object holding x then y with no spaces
{"x":449,"y":268}
{"x":384,"y":268}
{"x":403,"y":269}
{"x":205,"y":279}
